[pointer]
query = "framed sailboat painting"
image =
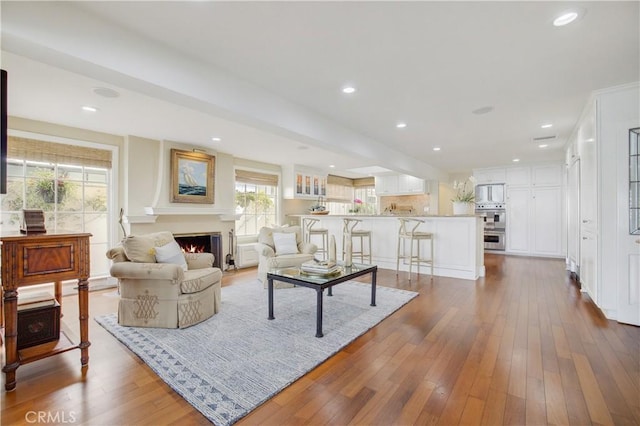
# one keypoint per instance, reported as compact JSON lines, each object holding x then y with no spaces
{"x":192,"y":177}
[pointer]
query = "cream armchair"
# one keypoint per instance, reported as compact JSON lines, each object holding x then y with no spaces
{"x":270,"y":257}
{"x":176,"y":294}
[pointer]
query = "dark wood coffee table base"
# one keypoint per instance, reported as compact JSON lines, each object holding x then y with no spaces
{"x":320,"y":286}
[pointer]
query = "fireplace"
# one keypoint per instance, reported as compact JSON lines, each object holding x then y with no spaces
{"x":209,"y":242}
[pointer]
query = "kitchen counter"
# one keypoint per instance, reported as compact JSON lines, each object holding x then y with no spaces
{"x":458,"y":241}
{"x":394,"y":216}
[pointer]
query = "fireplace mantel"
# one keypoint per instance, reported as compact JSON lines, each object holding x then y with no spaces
{"x":152,"y":213}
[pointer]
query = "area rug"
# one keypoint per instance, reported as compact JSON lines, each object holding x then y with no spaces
{"x":231,"y":363}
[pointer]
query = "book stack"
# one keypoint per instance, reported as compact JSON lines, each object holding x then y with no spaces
{"x":324,"y":267}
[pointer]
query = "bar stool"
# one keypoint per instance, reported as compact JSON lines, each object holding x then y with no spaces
{"x":309,"y":230}
{"x":408,"y":231}
{"x":348,"y":231}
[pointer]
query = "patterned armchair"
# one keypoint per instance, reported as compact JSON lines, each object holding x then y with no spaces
{"x":273,"y":255}
{"x":158,"y":291}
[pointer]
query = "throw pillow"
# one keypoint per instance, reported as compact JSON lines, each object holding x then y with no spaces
{"x":285,"y":243}
{"x":139,"y":248}
{"x":171,"y":253}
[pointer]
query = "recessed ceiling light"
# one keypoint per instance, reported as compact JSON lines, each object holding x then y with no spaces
{"x":105,"y":92}
{"x":348,"y":89}
{"x":543,"y":145}
{"x":590,"y":140}
{"x":436,"y":148}
{"x":565,"y":18}
{"x":401,"y":125}
{"x":89,"y":108}
{"x":331,"y":166}
{"x":483,"y":110}
{"x":216,"y":139}
{"x":547,"y":126}
{"x":515,"y":160}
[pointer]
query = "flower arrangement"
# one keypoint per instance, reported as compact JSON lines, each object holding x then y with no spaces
{"x":357,"y":203}
{"x":464,"y":195}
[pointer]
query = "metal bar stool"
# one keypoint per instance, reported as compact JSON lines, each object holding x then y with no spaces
{"x":408,"y":231}
{"x":348,"y":231}
{"x":309,"y":230}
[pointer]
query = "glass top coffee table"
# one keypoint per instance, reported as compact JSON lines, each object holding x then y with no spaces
{"x":319,"y":282}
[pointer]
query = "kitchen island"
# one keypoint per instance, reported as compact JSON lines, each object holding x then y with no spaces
{"x":458,"y":241}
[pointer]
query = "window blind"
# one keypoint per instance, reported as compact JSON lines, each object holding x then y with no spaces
{"x":256,"y":178}
{"x":339,"y":180}
{"x":53,"y":152}
{"x":364,"y":182}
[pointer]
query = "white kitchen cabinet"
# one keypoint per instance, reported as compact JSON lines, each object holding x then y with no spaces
{"x":303,"y":182}
{"x":546,"y":175}
{"x":399,"y":185}
{"x":386,"y":185}
{"x":518,"y":176}
{"x":518,"y":206}
{"x":588,"y":235}
{"x":410,"y":185}
{"x":609,"y":258}
{"x":546,"y":221}
{"x":491,"y":175}
{"x":573,"y":214}
{"x":534,"y":221}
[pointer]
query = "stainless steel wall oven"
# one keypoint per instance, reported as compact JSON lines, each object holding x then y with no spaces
{"x":490,"y":205}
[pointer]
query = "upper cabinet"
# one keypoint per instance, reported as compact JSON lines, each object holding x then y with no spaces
{"x":400,"y":185}
{"x":411,"y":185}
{"x":387,"y":185}
{"x":518,"y":176}
{"x":536,"y":175}
{"x":546,"y":175}
{"x":303,"y":182}
{"x":492,"y":175}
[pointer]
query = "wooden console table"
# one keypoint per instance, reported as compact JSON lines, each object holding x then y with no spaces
{"x":39,"y":259}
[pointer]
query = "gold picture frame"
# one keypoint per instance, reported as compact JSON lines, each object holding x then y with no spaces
{"x":192,"y":177}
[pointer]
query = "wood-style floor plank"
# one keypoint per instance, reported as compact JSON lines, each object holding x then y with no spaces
{"x":521,"y":346}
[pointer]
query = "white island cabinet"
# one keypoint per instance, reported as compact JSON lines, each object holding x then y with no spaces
{"x":458,"y":242}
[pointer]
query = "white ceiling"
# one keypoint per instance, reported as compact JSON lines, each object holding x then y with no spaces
{"x":266,"y":76}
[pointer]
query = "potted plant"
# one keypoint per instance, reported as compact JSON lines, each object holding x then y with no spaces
{"x":47,"y":185}
{"x":463,"y":201}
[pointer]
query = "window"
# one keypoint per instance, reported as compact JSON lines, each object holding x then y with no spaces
{"x":367,"y":197}
{"x":345,"y":196}
{"x":256,"y":201}
{"x":73,"y":194}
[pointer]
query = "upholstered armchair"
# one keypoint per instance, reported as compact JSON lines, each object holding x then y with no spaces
{"x":282,"y":248}
{"x":162,"y":287}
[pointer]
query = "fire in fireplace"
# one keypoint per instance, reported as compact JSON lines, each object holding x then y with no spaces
{"x":210,"y":242}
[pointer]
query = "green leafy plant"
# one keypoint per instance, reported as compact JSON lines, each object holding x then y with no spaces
{"x":258,"y":200}
{"x":46,"y":186}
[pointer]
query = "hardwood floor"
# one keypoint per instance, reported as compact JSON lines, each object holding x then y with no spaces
{"x":521,"y":346}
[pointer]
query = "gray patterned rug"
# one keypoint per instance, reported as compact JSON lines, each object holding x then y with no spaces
{"x":231,"y":363}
